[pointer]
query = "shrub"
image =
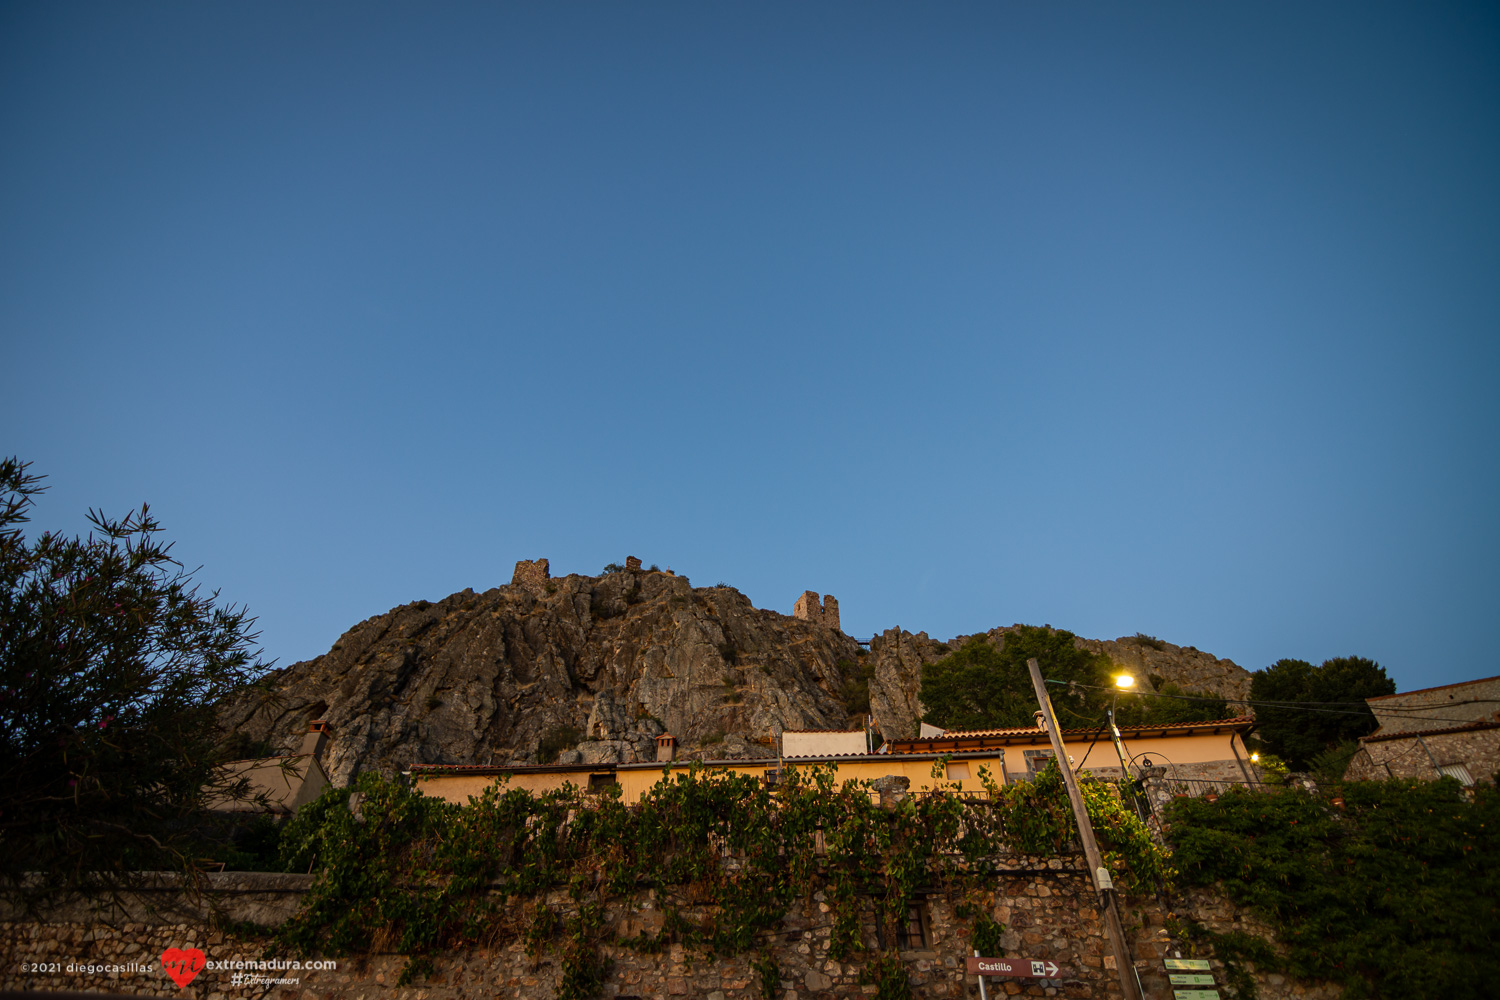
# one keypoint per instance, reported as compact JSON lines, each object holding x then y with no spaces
{"x":855,"y":691}
{"x":1394,"y":895}
{"x":555,"y":742}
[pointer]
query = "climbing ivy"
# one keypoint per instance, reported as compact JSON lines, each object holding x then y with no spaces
{"x":1393,"y":893}
{"x":416,"y":875}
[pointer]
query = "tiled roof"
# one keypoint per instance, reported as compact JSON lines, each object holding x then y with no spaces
{"x":1440,"y":687}
{"x":1411,"y":733}
{"x":436,"y":769}
{"x":955,"y":738}
{"x":1163,"y":727}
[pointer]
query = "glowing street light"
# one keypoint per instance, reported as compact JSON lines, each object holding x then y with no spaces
{"x":1123,"y":682}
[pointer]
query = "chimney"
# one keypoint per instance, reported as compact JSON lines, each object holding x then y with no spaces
{"x":666,"y":747}
{"x":315,"y":739}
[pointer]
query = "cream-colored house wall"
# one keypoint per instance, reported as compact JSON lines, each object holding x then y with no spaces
{"x":823,"y":744}
{"x":278,"y":784}
{"x":635,"y":782}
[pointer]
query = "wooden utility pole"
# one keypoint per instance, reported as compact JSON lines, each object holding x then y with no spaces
{"x":1124,"y":966}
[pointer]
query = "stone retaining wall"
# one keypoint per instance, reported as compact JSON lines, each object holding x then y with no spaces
{"x":1047,"y":906}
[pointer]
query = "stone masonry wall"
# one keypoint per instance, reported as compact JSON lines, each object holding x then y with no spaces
{"x":1477,"y":750}
{"x":808,"y":608}
{"x":532,"y":576}
{"x":1046,"y":904}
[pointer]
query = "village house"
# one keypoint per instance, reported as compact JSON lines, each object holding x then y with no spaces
{"x":956,"y":761}
{"x":1189,"y":751}
{"x":1452,"y":730}
{"x":276,"y":785}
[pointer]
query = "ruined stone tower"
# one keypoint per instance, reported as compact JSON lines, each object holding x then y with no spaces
{"x":825,"y":613}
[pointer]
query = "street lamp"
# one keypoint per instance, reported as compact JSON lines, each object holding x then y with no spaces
{"x":1123,"y":682}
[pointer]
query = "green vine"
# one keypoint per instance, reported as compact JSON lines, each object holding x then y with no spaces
{"x":420,"y":876}
{"x":1234,"y":949}
{"x":888,"y":974}
{"x":770,"y":975}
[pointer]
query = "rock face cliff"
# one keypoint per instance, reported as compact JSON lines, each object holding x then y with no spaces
{"x":592,"y":669}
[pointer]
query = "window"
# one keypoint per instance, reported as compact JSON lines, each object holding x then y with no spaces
{"x":958,"y":771}
{"x":911,"y":934}
{"x":1457,"y":771}
{"x":599,"y":782}
{"x":1036,"y":760}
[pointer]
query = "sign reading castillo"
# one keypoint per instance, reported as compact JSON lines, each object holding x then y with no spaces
{"x":1026,"y":967}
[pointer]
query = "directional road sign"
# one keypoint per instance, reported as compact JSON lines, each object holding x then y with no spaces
{"x":1187,"y":964}
{"x":1025,"y":967}
{"x":1190,"y":979}
{"x":1196,"y":994}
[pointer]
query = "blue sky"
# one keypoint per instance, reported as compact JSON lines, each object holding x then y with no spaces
{"x":1171,"y":318}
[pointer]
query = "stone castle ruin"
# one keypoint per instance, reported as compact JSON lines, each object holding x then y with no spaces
{"x":810,"y":610}
{"x":532,"y":576}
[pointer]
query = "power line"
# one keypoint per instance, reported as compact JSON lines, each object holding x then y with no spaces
{"x":1314,"y":706}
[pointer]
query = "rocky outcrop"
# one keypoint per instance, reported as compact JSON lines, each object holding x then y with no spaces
{"x":896,"y":681}
{"x":585,"y":669}
{"x":1186,"y":666}
{"x":595,"y":667}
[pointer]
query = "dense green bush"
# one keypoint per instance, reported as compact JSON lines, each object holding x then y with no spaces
{"x":1393,"y":895}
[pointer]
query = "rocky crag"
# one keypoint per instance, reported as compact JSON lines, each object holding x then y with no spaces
{"x":593,"y":668}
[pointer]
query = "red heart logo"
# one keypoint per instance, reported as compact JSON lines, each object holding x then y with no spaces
{"x":183,"y":964}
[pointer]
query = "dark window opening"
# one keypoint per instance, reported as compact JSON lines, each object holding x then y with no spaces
{"x":599,"y":782}
{"x":1036,"y":760}
{"x":911,"y":934}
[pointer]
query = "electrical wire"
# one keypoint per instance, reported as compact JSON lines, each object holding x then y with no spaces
{"x":1314,"y":706}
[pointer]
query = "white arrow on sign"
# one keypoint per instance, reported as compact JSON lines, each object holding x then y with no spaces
{"x":1044,"y":970}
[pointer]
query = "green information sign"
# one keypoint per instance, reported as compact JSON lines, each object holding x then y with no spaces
{"x":1196,"y":994}
{"x":1190,"y":979}
{"x":1188,"y":964}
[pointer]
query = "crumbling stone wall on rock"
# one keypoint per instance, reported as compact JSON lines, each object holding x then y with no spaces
{"x":810,"y":609}
{"x":532,"y":576}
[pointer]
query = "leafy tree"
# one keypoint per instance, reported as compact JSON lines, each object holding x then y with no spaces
{"x":981,"y":687}
{"x":111,"y":663}
{"x":1329,"y":705}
